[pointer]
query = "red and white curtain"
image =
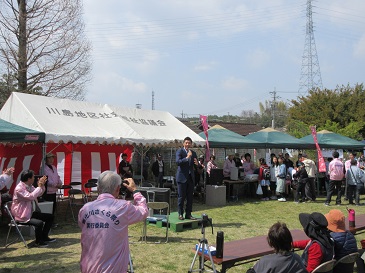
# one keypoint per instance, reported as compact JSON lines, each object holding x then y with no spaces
{"x":74,"y":162}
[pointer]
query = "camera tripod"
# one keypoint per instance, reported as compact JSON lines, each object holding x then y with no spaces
{"x":203,"y":244}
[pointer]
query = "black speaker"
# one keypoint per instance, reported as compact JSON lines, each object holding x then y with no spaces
{"x":216,"y":177}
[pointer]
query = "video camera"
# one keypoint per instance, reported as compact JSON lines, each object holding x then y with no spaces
{"x":124,"y":191}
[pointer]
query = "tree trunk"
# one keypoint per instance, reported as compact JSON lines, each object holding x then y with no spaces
{"x":22,"y":53}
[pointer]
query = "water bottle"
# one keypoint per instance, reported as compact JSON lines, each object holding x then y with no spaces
{"x":351,"y":217}
{"x":219,"y":244}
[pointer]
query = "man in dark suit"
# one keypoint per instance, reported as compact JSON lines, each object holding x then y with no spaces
{"x":185,"y":178}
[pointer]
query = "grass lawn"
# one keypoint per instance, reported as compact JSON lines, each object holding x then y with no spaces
{"x":238,"y":220}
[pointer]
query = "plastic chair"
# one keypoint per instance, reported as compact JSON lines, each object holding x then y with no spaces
{"x":15,"y":224}
{"x":72,"y":201}
{"x":346,"y":263}
{"x":326,"y":267}
{"x":163,"y":207}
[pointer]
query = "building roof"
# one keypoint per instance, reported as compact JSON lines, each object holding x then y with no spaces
{"x":242,"y":129}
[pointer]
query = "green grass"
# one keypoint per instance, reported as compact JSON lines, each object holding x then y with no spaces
{"x":243,"y":219}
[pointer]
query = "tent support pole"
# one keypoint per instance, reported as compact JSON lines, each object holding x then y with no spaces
{"x":44,"y":148}
{"x":142,"y":155}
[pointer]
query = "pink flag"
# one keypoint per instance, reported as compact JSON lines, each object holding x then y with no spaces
{"x":204,"y":122}
{"x":321,"y":164}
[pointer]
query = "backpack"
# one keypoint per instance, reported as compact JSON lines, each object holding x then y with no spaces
{"x":266,"y":173}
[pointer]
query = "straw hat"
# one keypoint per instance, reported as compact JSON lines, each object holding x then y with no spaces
{"x":336,"y":220}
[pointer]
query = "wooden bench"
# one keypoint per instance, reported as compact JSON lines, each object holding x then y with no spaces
{"x":247,"y":250}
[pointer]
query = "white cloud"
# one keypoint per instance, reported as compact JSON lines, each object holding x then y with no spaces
{"x":232,"y":83}
{"x":122,"y":85}
{"x":359,"y":48}
{"x":258,"y":58}
{"x":205,"y":67}
{"x":130,"y":86}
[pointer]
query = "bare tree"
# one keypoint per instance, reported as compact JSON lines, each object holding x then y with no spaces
{"x":42,"y":43}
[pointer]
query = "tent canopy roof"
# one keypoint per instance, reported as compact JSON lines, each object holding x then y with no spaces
{"x":65,"y":120}
{"x":271,"y":138}
{"x":10,"y":132}
{"x":328,"y":139}
{"x":220,"y":137}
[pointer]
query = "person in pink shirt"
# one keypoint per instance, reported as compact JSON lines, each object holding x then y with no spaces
{"x":336,"y":173}
{"x":25,"y":208}
{"x":228,"y":164}
{"x":248,"y":165}
{"x":104,"y":225}
{"x":54,"y":181}
{"x":211,"y":164}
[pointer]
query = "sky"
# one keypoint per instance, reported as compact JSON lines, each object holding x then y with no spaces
{"x":217,"y":57}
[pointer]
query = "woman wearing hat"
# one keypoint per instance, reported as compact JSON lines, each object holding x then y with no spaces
{"x":320,"y":247}
{"x":345,"y":242}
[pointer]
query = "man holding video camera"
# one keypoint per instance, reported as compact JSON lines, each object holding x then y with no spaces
{"x":104,"y":225}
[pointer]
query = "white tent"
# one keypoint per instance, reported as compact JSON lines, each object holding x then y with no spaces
{"x":87,"y":138}
{"x":65,"y":120}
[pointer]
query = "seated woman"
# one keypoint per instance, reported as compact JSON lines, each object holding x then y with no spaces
{"x":345,"y":241}
{"x":320,"y":247}
{"x":283,"y":260}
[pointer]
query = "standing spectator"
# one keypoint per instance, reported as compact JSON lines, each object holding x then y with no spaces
{"x":125,"y":168}
{"x":26,"y":210}
{"x":352,"y":155}
{"x":288,"y":163}
{"x":185,"y":160}
{"x":299,"y":160}
{"x":302,"y":177}
{"x":345,"y":242}
{"x":199,"y":172}
{"x":336,"y":176}
{"x":310,"y":189}
{"x":264,"y":179}
{"x":228,"y":164}
{"x":274,"y":170}
{"x":321,"y":178}
{"x":4,"y":179}
{"x":53,"y":182}
{"x":353,"y":177}
{"x":248,"y":165}
{"x":104,"y":225}
{"x":280,"y":182}
{"x":283,"y":260}
{"x":328,"y":161}
{"x":237,"y":160}
{"x":158,"y":170}
{"x":319,"y":249}
{"x":211,"y":164}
